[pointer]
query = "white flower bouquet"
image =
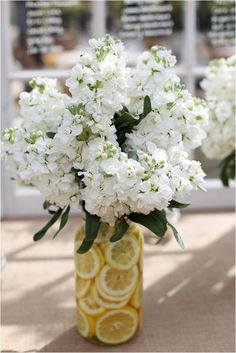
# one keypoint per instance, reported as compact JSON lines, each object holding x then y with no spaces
{"x":118,"y":146}
{"x":219,"y":85}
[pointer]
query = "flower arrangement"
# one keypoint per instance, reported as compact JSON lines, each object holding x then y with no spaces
{"x":219,"y":85}
{"x":117,"y":146}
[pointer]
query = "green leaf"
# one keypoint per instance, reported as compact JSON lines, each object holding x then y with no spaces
{"x":176,"y":204}
{"x":121,"y":135}
{"x":147,"y":106}
{"x":155,"y":221}
{"x":33,"y":84}
{"x":40,"y":234}
{"x":50,"y":134}
{"x":227,"y":159}
{"x":64,"y":219}
{"x":124,"y":109}
{"x":133,"y":155}
{"x":46,"y":205}
{"x":177,"y":236}
{"x":85,"y":246}
{"x":123,"y":226}
{"x":126,"y":119}
{"x":84,"y":135}
{"x":224,"y":177}
{"x":92,"y":225}
{"x":170,"y":105}
{"x":227,"y":169}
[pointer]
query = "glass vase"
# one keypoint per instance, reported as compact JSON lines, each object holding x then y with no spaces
{"x":109,"y":286}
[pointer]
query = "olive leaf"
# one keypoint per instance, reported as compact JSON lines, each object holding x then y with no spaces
{"x":147,"y":106}
{"x":176,"y":204}
{"x":85,"y":246}
{"x":92,"y":225}
{"x":177,"y":236}
{"x":40,"y":234}
{"x":64,"y":220}
{"x":123,"y":226}
{"x":227,"y":169}
{"x":155,"y":221}
{"x":50,"y":134}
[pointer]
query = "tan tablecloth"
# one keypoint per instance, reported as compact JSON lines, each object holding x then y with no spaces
{"x":189,"y":295}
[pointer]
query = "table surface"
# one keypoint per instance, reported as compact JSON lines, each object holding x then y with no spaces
{"x":188,"y":294}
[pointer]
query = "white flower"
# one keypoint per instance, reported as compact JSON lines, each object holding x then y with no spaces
{"x":43,"y":107}
{"x":219,"y":85}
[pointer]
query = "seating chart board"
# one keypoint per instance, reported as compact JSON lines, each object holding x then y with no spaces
{"x":146,"y":19}
{"x":222,"y":30}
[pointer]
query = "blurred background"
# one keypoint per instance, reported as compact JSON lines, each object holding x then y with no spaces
{"x":45,"y":38}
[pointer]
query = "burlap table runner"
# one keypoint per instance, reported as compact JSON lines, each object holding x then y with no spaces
{"x":189,"y":295}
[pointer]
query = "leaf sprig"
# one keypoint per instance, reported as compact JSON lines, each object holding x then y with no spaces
{"x":56,"y":215}
{"x":155,"y":221}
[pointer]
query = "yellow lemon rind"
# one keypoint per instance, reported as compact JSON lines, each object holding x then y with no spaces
{"x":136,"y":299}
{"x":84,"y":288}
{"x":110,"y":297}
{"x":107,"y":304}
{"x":119,"y":292}
{"x":89,"y":323}
{"x":87,"y":309}
{"x":98,"y":262}
{"x":109,"y":339}
{"x":115,"y":260}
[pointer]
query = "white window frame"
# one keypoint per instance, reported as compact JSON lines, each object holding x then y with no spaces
{"x":25,"y":201}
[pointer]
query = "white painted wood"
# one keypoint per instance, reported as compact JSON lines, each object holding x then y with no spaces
{"x":190,"y":43}
{"x":216,"y":197}
{"x":98,"y":25}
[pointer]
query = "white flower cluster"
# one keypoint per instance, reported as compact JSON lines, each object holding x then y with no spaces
{"x":99,"y":82}
{"x":33,"y":156}
{"x":68,"y":148}
{"x":219,"y":85}
{"x":176,"y":117}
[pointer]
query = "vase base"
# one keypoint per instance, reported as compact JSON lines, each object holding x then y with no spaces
{"x":95,"y":341}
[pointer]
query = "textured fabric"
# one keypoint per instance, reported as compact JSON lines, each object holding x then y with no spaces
{"x":189,"y":295}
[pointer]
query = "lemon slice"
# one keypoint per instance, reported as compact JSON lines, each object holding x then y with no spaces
{"x":123,"y":254}
{"x":108,"y":304}
{"x":140,"y":316}
{"x":90,"y":306}
{"x":82,"y":287}
{"x":117,"y":326}
{"x":104,"y":234}
{"x":77,"y":245}
{"x":110,"y":297}
{"x":89,"y":264}
{"x":137,"y":297}
{"x":117,"y":283}
{"x":139,"y":236}
{"x":140,"y":263}
{"x":85,"y":325}
{"x":80,"y":234}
